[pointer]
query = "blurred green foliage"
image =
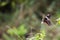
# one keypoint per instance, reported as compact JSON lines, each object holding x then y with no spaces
{"x":31,"y":21}
{"x":4,"y":3}
{"x":40,"y":36}
{"x":20,"y":31}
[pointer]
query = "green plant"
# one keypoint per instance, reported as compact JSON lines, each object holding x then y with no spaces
{"x":20,"y":31}
{"x":40,"y":36}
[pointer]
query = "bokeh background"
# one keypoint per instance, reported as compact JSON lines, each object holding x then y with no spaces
{"x":21,"y":20}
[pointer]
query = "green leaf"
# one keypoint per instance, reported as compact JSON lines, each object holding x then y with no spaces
{"x":22,"y":30}
{"x":10,"y":31}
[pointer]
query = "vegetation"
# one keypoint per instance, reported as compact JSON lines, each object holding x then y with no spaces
{"x":22,"y":20}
